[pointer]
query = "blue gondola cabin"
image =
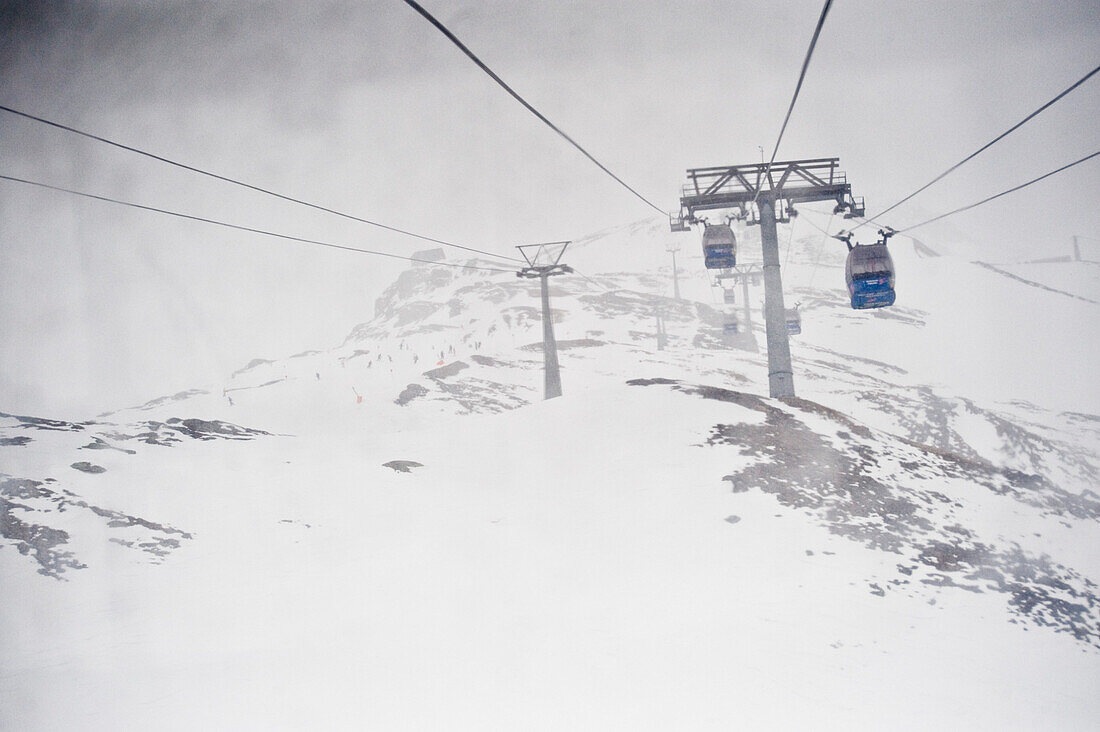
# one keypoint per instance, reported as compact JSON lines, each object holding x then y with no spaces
{"x":719,"y":246}
{"x":794,"y":322}
{"x":870,"y":276}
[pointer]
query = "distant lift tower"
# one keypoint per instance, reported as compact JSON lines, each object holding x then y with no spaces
{"x":543,"y":262}
{"x":672,"y":249}
{"x":785,"y":183}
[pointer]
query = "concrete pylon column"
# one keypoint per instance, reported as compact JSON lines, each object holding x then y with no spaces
{"x":780,"y":375}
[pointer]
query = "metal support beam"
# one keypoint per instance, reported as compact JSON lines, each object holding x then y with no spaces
{"x":662,"y":336}
{"x":786,"y":183}
{"x":552,"y":380}
{"x":676,"y":279}
{"x":544,"y":261}
{"x":780,"y":375}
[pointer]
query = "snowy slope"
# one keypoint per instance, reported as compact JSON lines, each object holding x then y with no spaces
{"x":913,"y":542}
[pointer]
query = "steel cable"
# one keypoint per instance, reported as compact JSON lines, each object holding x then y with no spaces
{"x":1002,"y":193}
{"x":515,"y":95}
{"x":797,"y":89}
{"x":249,"y":186}
{"x":983,"y":148}
{"x":239,"y":227}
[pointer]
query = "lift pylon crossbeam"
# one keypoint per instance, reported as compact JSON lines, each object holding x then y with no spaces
{"x":795,"y":181}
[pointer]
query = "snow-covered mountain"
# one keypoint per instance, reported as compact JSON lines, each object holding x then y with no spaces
{"x":398,"y":533}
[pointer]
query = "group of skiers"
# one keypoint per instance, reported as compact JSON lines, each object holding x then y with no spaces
{"x":382,"y":359}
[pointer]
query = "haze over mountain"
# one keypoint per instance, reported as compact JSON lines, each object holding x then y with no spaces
{"x":248,"y":483}
{"x":367,"y":109}
{"x":396,"y":531}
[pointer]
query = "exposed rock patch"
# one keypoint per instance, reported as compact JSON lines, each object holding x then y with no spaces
{"x":402,"y":466}
{"x":486,"y":361}
{"x":100,"y":444}
{"x":446,"y":371}
{"x":41,"y":423}
{"x":566,"y":344}
{"x":167,"y":433}
{"x":410,"y":392}
{"x":46,"y":544}
{"x":251,"y":365}
{"x":893,"y":495}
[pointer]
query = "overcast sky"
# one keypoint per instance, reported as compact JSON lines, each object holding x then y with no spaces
{"x":366,"y":108}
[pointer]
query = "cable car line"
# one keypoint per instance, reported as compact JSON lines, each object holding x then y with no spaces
{"x":480,"y":64}
{"x":797,"y":89}
{"x":234,"y":181}
{"x":1002,"y":193}
{"x":245,"y":228}
{"x":790,"y":240}
{"x":811,"y":223}
{"x":592,"y":281}
{"x":984,"y":147}
{"x":820,"y":249}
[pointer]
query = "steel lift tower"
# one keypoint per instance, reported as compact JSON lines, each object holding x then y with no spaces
{"x":767,"y":188}
{"x":543,"y":262}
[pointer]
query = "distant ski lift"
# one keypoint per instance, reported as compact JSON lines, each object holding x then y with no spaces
{"x":794,"y":321}
{"x":677,"y":223}
{"x":729,"y":297}
{"x":731,"y":327}
{"x":870,"y":274}
{"x":719,"y":246}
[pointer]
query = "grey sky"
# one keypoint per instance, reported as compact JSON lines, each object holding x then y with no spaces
{"x":366,"y":108}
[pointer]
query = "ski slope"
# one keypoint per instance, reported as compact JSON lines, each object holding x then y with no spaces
{"x":912,"y":543}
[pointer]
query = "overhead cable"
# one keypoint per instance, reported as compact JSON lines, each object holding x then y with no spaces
{"x":790,"y":240}
{"x":986,"y":146}
{"x":234,"y":181}
{"x":821,"y":248}
{"x":1002,"y":193}
{"x":238,"y":227}
{"x":590,"y":280}
{"x":797,"y":89}
{"x":454,"y":39}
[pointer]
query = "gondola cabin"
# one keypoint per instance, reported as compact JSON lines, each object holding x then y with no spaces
{"x":729,"y":297}
{"x":870,"y":276}
{"x":730,"y":327}
{"x":719,"y":246}
{"x":794,"y":322}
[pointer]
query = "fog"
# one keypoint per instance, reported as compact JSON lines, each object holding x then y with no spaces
{"x":365,"y":108}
